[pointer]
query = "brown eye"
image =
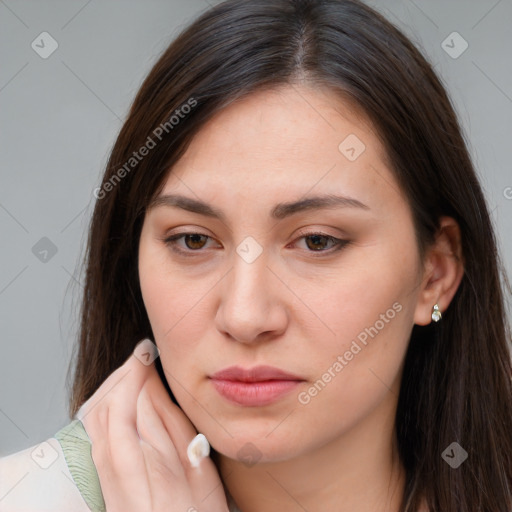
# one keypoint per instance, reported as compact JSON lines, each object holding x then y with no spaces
{"x":318,"y":242}
{"x":194,"y":240}
{"x":322,"y":243}
{"x":184,"y":243}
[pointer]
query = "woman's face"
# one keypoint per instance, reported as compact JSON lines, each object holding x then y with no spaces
{"x":325,"y":291}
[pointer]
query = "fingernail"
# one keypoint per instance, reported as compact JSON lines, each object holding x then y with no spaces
{"x":198,"y":448}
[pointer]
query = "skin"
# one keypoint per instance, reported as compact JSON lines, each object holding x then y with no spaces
{"x":292,"y":307}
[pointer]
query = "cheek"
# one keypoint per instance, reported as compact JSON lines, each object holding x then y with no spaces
{"x":177,"y":319}
{"x":369,"y":313}
{"x":353,"y":376}
{"x":366,"y":292}
{"x":175,"y":304}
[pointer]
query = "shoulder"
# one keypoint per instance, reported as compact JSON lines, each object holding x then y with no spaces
{"x":57,"y":474}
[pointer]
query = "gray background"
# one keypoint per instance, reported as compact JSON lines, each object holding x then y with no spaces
{"x":60,"y":117}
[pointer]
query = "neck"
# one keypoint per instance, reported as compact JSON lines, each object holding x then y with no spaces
{"x":358,"y":471}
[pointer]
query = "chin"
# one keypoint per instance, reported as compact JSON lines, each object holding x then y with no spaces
{"x":256,"y":449}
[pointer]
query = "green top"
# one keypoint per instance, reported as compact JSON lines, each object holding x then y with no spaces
{"x":76,"y":447}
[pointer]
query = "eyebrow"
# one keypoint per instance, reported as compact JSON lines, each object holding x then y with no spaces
{"x":278,"y":212}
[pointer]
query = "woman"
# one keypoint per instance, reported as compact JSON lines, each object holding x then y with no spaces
{"x":290,"y":190}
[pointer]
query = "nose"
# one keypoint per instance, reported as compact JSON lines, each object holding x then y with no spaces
{"x":252,"y":303}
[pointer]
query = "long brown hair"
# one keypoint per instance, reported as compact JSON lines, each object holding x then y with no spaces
{"x":456,"y":384}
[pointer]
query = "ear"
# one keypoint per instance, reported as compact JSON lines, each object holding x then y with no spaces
{"x":443,"y":271}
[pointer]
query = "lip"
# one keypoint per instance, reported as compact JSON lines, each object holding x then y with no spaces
{"x":256,"y":387}
{"x":255,"y":374}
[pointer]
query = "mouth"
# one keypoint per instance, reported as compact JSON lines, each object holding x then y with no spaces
{"x":254,"y":387}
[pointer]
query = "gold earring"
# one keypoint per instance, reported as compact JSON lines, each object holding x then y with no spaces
{"x":436,"y":314}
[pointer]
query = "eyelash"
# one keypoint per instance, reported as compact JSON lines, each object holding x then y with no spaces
{"x":339,"y":244}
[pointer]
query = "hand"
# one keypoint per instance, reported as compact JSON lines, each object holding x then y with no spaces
{"x":139,"y":447}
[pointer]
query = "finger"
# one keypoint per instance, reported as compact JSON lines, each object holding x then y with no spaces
{"x":124,"y":484}
{"x":131,"y":374}
{"x":123,"y":473}
{"x":204,"y":479}
{"x":153,"y":432}
{"x":122,"y":430}
{"x":177,"y":424}
{"x":168,"y":483}
{"x":119,"y":391}
{"x":109,"y":418}
{"x":169,"y":487}
{"x":123,"y":451}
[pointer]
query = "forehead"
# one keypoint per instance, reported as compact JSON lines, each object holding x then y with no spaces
{"x":283,"y":142}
